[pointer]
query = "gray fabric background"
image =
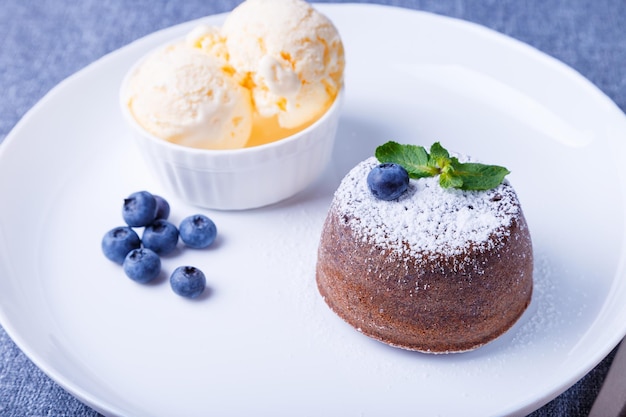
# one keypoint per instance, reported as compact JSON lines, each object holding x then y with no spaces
{"x":43,"y":42}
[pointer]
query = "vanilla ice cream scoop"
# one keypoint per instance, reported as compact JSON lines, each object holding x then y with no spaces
{"x":289,"y":55}
{"x":187,"y":96}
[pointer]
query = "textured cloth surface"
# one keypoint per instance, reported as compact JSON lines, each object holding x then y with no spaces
{"x":42,"y":42}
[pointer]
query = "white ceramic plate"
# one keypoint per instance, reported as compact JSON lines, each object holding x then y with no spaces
{"x":263,"y":342}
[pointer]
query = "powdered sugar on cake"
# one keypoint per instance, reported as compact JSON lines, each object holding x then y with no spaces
{"x":427,"y":219}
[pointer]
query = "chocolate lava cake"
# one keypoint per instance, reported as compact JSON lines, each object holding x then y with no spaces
{"x":435,"y":270}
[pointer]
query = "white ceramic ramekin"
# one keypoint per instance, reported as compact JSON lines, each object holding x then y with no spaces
{"x":241,"y":178}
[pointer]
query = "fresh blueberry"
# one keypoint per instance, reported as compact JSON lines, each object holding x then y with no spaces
{"x":388,"y":181}
{"x":117,"y":242}
{"x":160,"y":236}
{"x":142,"y":265}
{"x":163,"y":207}
{"x":188,"y":281}
{"x":197,"y":231}
{"x":139,"y":209}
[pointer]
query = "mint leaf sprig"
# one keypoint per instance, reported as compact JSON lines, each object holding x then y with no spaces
{"x":452,"y":173}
